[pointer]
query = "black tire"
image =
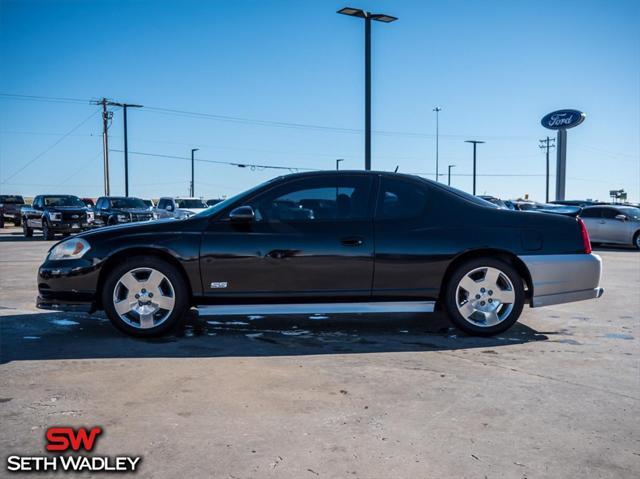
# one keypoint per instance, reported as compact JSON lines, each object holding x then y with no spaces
{"x":636,"y":240}
{"x":47,"y":234}
{"x":180,"y":290}
{"x":112,"y":221}
{"x":26,"y":231}
{"x":451,"y":299}
{"x":17,"y":222}
{"x":1,"y":221}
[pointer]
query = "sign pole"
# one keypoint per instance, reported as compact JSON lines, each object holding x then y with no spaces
{"x":561,"y":164}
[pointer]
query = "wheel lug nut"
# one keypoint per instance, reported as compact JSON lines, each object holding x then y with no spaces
{"x":482,"y":290}
{"x":151,"y":295}
{"x":490,"y":292}
{"x":481,"y":303}
{"x":137,"y":296}
{"x":490,"y":300}
{"x":144,"y":290}
{"x":477,"y":296}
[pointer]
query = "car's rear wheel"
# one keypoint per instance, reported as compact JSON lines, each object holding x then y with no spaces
{"x":16,"y":222}
{"x":145,"y":296}
{"x":26,"y":231}
{"x":47,"y":233}
{"x":484,"y":296}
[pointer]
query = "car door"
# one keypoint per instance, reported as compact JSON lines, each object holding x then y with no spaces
{"x":311,"y":237}
{"x":407,"y":263}
{"x":613,"y":230}
{"x":592,"y":218}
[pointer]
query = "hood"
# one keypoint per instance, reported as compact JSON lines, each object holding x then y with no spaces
{"x":63,"y":209}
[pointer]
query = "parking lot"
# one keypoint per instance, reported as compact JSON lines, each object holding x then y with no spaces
{"x":376,"y":396}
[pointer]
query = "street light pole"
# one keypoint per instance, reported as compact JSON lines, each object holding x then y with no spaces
{"x":437,"y":110}
{"x":475,"y":143}
{"x":367,"y":16}
{"x":338,"y":163}
{"x":192,"y":191}
{"x":449,"y":175}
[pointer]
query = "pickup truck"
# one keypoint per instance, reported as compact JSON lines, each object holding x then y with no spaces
{"x":10,"y":209}
{"x":179,"y":208}
{"x":53,"y":214}
{"x":113,"y":210}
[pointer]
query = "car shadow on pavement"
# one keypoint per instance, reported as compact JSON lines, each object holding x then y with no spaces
{"x":45,"y":336}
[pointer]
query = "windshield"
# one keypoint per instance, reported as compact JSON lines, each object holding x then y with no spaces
{"x":63,"y":201}
{"x":127,"y":203}
{"x":191,"y":204}
{"x":12,"y":200}
{"x":212,"y":210}
{"x":630,"y":211}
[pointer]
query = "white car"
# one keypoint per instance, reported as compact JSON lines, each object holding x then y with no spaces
{"x":613,"y":224}
{"x":179,"y":208}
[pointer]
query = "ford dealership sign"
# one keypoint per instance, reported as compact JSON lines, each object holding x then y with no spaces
{"x":562,"y":119}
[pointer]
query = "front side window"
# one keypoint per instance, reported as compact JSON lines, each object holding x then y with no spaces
{"x":316,"y":199}
{"x":400,"y":199}
{"x":591,"y":213}
{"x":610,"y":213}
{"x":191,"y":204}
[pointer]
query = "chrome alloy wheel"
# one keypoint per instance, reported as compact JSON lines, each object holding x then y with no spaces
{"x":485,"y":296}
{"x":144,"y":298}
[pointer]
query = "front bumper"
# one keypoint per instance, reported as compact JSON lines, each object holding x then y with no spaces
{"x":563,"y":278}
{"x":65,"y":227}
{"x":68,"y":285}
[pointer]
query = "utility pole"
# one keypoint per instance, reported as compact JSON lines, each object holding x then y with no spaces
{"x":475,"y":143}
{"x":545,"y":145}
{"x":106,"y":117}
{"x":437,"y":110}
{"x":449,"y":175}
{"x":126,"y":142}
{"x":192,"y":191}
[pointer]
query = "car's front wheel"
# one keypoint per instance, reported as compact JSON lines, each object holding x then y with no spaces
{"x":47,"y":232}
{"x":484,"y":296}
{"x":145,"y":296}
{"x":636,"y":240}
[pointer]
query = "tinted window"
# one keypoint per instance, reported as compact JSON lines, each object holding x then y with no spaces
{"x":17,"y":200}
{"x":162,"y":204}
{"x":191,"y":204}
{"x":610,"y":213}
{"x":127,"y":203}
{"x":400,"y":199}
{"x":63,"y":201}
{"x":591,"y":213}
{"x":316,"y":199}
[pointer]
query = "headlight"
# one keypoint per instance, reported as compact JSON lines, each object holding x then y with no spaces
{"x":154,"y":215}
{"x":123,"y":218}
{"x":53,"y":216}
{"x":73,"y":248}
{"x":90,"y":216}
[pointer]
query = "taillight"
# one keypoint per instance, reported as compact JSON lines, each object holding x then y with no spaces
{"x":586,"y":242}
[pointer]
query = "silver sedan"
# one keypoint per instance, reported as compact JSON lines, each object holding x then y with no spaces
{"x":613,"y":224}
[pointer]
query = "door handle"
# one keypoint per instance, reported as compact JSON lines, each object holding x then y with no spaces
{"x":352,"y":241}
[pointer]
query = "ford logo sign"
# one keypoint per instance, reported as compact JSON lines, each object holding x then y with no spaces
{"x":562,"y":119}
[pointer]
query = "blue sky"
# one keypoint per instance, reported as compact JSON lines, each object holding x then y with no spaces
{"x":495,"y":68}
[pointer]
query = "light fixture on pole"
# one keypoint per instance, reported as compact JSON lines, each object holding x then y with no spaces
{"x":475,"y":143}
{"x":449,"y":175}
{"x":338,"y":163}
{"x":367,"y":16}
{"x":437,"y":110}
{"x":192,"y":191}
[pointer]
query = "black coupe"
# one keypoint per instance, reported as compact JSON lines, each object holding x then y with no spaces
{"x":348,"y":238}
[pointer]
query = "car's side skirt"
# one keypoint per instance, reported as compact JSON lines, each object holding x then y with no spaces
{"x":320,"y":308}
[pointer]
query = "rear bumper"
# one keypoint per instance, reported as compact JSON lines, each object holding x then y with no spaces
{"x":563,"y":278}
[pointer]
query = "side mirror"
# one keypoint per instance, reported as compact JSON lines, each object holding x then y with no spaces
{"x":242,"y":214}
{"x":621,"y":217}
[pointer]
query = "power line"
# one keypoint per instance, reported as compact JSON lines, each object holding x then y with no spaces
{"x":252,"y":166}
{"x":48,"y":99}
{"x":51,"y":147}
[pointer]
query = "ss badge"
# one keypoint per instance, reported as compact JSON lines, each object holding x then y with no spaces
{"x":219,"y":285}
